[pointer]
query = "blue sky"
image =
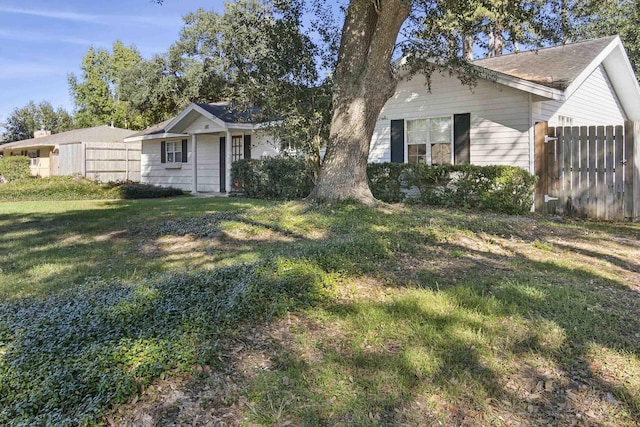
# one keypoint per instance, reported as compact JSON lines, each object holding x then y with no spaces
{"x":42,"y":41}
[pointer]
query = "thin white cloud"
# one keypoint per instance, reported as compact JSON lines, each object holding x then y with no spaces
{"x":12,"y":69}
{"x":42,"y":37}
{"x":103,"y":19}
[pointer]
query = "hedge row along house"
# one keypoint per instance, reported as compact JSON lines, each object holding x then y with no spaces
{"x":98,"y":153}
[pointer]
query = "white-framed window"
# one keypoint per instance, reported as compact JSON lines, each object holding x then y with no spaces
{"x":565,"y":121}
{"x":33,"y":158}
{"x":237,"y":147}
{"x":430,"y":140}
{"x":174,"y":152}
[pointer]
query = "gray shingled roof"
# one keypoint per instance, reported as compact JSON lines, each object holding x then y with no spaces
{"x":221,"y":110}
{"x":555,"y":67}
{"x":158,"y":128}
{"x":225,"y":112}
{"x":95,"y":134}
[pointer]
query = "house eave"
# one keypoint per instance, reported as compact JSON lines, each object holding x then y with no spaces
{"x":624,"y":81}
{"x":509,"y":81}
{"x":165,"y":135}
{"x":241,"y":126}
{"x":520,"y":84}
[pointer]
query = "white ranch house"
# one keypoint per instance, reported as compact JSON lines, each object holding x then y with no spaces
{"x":97,"y":153}
{"x":585,"y":83}
{"x":194,"y":150}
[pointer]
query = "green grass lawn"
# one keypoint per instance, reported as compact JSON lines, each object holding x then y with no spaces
{"x":244,"y":312}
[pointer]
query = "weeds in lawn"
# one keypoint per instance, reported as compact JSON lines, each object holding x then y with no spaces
{"x":294,"y":313}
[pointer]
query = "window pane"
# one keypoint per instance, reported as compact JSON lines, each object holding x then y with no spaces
{"x":170,"y":157}
{"x":237,"y":147}
{"x":416,"y":131}
{"x":441,"y":154}
{"x":440,"y":130}
{"x":417,"y":153}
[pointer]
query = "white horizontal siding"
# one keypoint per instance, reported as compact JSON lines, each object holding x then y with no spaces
{"x":208,"y":159}
{"x":208,"y":163}
{"x":156,"y":173}
{"x":201,"y":124}
{"x":499,"y":117}
{"x":593,"y":103}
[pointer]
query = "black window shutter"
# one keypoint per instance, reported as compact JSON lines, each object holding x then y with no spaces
{"x":184,"y":151}
{"x":247,"y":146}
{"x":223,"y":151}
{"x":397,"y":141}
{"x":37,"y":153}
{"x":163,"y":152}
{"x":462,"y":138}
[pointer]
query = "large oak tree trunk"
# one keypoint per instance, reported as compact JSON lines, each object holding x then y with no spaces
{"x":362,"y":83}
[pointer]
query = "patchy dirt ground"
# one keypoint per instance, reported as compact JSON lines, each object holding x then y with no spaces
{"x":536,"y":389}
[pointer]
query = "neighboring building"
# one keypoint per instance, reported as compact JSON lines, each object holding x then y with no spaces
{"x":98,"y":153}
{"x":194,"y":150}
{"x":585,"y":83}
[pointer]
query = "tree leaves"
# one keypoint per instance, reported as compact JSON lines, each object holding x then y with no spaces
{"x":97,"y":93}
{"x":23,"y":121}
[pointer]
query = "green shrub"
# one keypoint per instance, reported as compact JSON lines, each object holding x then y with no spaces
{"x":279,"y":178}
{"x":506,"y":189}
{"x":79,"y":188}
{"x":385,"y":181}
{"x":146,"y":191}
{"x":15,"y":168}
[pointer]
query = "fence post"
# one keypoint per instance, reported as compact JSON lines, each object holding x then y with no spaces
{"x":541,"y":166}
{"x":632,"y":171}
{"x":83,"y":149}
{"x":126,"y":163}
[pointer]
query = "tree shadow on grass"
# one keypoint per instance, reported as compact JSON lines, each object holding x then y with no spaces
{"x":496,"y":351}
{"x":47,"y":252}
{"x":70,"y":351}
{"x":431,"y":351}
{"x":516,"y":344}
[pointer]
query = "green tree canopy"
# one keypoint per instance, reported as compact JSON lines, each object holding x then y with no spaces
{"x":601,"y":18}
{"x":24,"y":121}
{"x":96,"y":93}
{"x":254,"y":54}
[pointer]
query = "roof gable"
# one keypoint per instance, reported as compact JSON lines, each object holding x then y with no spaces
{"x":187,"y":116}
{"x":561,"y":70}
{"x":220,"y":115}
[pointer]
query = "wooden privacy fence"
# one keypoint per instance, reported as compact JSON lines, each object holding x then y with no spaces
{"x":588,"y":171}
{"x":100,"y":161}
